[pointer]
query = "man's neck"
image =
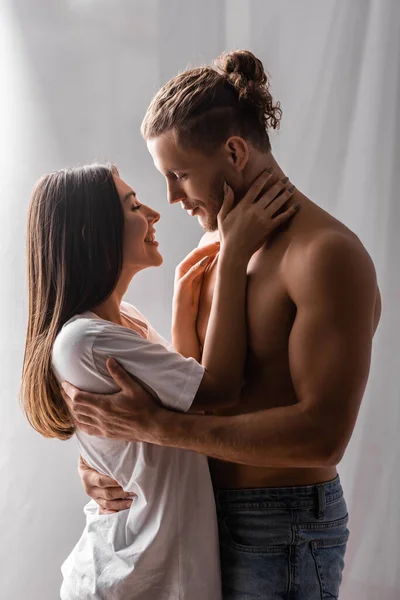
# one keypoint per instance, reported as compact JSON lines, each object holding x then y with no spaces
{"x":258,"y":163}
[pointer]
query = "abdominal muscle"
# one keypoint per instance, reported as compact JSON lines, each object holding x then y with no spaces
{"x":265,"y":388}
{"x":268,"y":383}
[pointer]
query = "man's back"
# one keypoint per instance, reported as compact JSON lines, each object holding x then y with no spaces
{"x":274,"y":278}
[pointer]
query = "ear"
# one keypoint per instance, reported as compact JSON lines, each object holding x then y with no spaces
{"x":238,"y":152}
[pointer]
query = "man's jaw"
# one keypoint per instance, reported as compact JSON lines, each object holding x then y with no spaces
{"x":203,"y":216}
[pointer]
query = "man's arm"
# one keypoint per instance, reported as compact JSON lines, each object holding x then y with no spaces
{"x":334,"y":289}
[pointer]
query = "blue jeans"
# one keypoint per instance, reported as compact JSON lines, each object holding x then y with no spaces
{"x":282,"y":543}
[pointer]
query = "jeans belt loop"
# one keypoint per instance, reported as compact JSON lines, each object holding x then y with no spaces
{"x":321,"y":501}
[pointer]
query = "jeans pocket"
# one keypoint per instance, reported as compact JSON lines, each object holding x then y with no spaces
{"x":259,"y":531}
{"x":328,"y":556}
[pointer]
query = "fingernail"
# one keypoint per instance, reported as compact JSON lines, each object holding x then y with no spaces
{"x":285,"y":179}
{"x":204,"y":261}
{"x":112,"y":362}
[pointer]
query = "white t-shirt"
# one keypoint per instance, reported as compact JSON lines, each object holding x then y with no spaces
{"x":165,"y":546}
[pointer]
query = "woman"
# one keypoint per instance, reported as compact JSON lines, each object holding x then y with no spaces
{"x":88,"y":235}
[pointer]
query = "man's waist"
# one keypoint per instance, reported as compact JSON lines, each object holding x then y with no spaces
{"x":296,"y":495}
{"x":232,"y":476}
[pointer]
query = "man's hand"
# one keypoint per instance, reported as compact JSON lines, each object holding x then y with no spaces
{"x":110,"y":497}
{"x":129,"y":414}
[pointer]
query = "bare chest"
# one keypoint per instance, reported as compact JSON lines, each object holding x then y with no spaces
{"x":269,"y":313}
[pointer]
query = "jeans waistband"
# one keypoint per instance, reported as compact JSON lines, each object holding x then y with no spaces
{"x":306,"y":496}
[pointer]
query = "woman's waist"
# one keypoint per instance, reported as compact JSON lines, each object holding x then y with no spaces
{"x":142,"y":468}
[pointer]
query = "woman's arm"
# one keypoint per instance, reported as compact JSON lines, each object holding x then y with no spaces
{"x":185,"y":306}
{"x":243,"y":230}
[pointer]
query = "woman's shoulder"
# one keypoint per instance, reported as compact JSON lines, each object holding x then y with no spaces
{"x":152,"y":334}
{"x":133,"y":312}
{"x":77,"y":335}
{"x":72,"y":357}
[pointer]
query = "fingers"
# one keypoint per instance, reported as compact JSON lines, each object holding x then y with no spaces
{"x":90,"y":429}
{"x":257,"y":187}
{"x":79,"y":408}
{"x":70,"y":390}
{"x":113,"y":506}
{"x":272,"y":206}
{"x":92,"y":478}
{"x":194,"y":257}
{"x":288,"y":214}
{"x":229,"y":200}
{"x":72,"y":395}
{"x":198,"y":269}
{"x":115,"y":493}
{"x":118,"y":373}
{"x":85,"y":420}
{"x":110,"y":496}
{"x":111,"y":499}
{"x":273,"y":192}
{"x":196,"y":272}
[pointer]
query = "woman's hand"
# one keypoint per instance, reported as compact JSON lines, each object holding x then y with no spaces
{"x":188,"y":281}
{"x":246,"y":227}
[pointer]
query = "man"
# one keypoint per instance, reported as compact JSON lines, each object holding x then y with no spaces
{"x":313,"y":307}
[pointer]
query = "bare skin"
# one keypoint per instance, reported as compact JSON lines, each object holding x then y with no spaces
{"x":313,"y":306}
{"x":277,"y":344}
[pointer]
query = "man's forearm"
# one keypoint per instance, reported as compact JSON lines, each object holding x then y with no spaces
{"x":278,"y":437}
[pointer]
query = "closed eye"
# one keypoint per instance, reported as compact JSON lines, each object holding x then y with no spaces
{"x":136,"y":207}
{"x":174,"y":176}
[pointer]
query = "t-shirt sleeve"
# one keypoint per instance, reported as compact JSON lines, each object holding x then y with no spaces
{"x":172,"y":377}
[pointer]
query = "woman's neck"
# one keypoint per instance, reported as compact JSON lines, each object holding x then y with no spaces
{"x":110,"y":308}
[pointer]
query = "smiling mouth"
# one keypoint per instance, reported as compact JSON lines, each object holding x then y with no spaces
{"x":193,"y":211}
{"x":151,"y":239}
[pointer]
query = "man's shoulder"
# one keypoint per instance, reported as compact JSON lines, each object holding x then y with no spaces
{"x":208,"y":238}
{"x":328,"y":256}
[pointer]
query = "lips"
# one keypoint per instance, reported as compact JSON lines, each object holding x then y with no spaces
{"x":191,"y":210}
{"x":151,"y":238}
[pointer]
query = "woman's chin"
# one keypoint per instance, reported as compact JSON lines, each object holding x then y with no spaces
{"x":158,"y":260}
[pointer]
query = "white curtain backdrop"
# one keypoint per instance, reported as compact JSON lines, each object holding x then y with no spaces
{"x":75,"y":79}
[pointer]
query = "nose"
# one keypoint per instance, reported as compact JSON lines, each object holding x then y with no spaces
{"x":175,"y":193}
{"x":152,"y":215}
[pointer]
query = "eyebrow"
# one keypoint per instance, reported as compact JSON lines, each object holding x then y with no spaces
{"x":128,"y":195}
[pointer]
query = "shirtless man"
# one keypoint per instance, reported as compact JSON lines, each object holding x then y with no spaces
{"x":313,"y":307}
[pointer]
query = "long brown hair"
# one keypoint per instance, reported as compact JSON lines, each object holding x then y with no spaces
{"x":206,"y":105}
{"x":74,"y":252}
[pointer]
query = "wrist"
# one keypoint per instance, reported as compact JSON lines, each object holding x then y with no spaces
{"x":162,"y":427}
{"x":184,"y":329}
{"x":233,"y":258}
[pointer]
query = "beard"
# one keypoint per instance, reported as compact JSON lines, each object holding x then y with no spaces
{"x":215,"y":201}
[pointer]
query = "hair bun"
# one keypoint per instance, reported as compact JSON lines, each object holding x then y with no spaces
{"x":243,"y":65}
{"x":245,"y":72}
